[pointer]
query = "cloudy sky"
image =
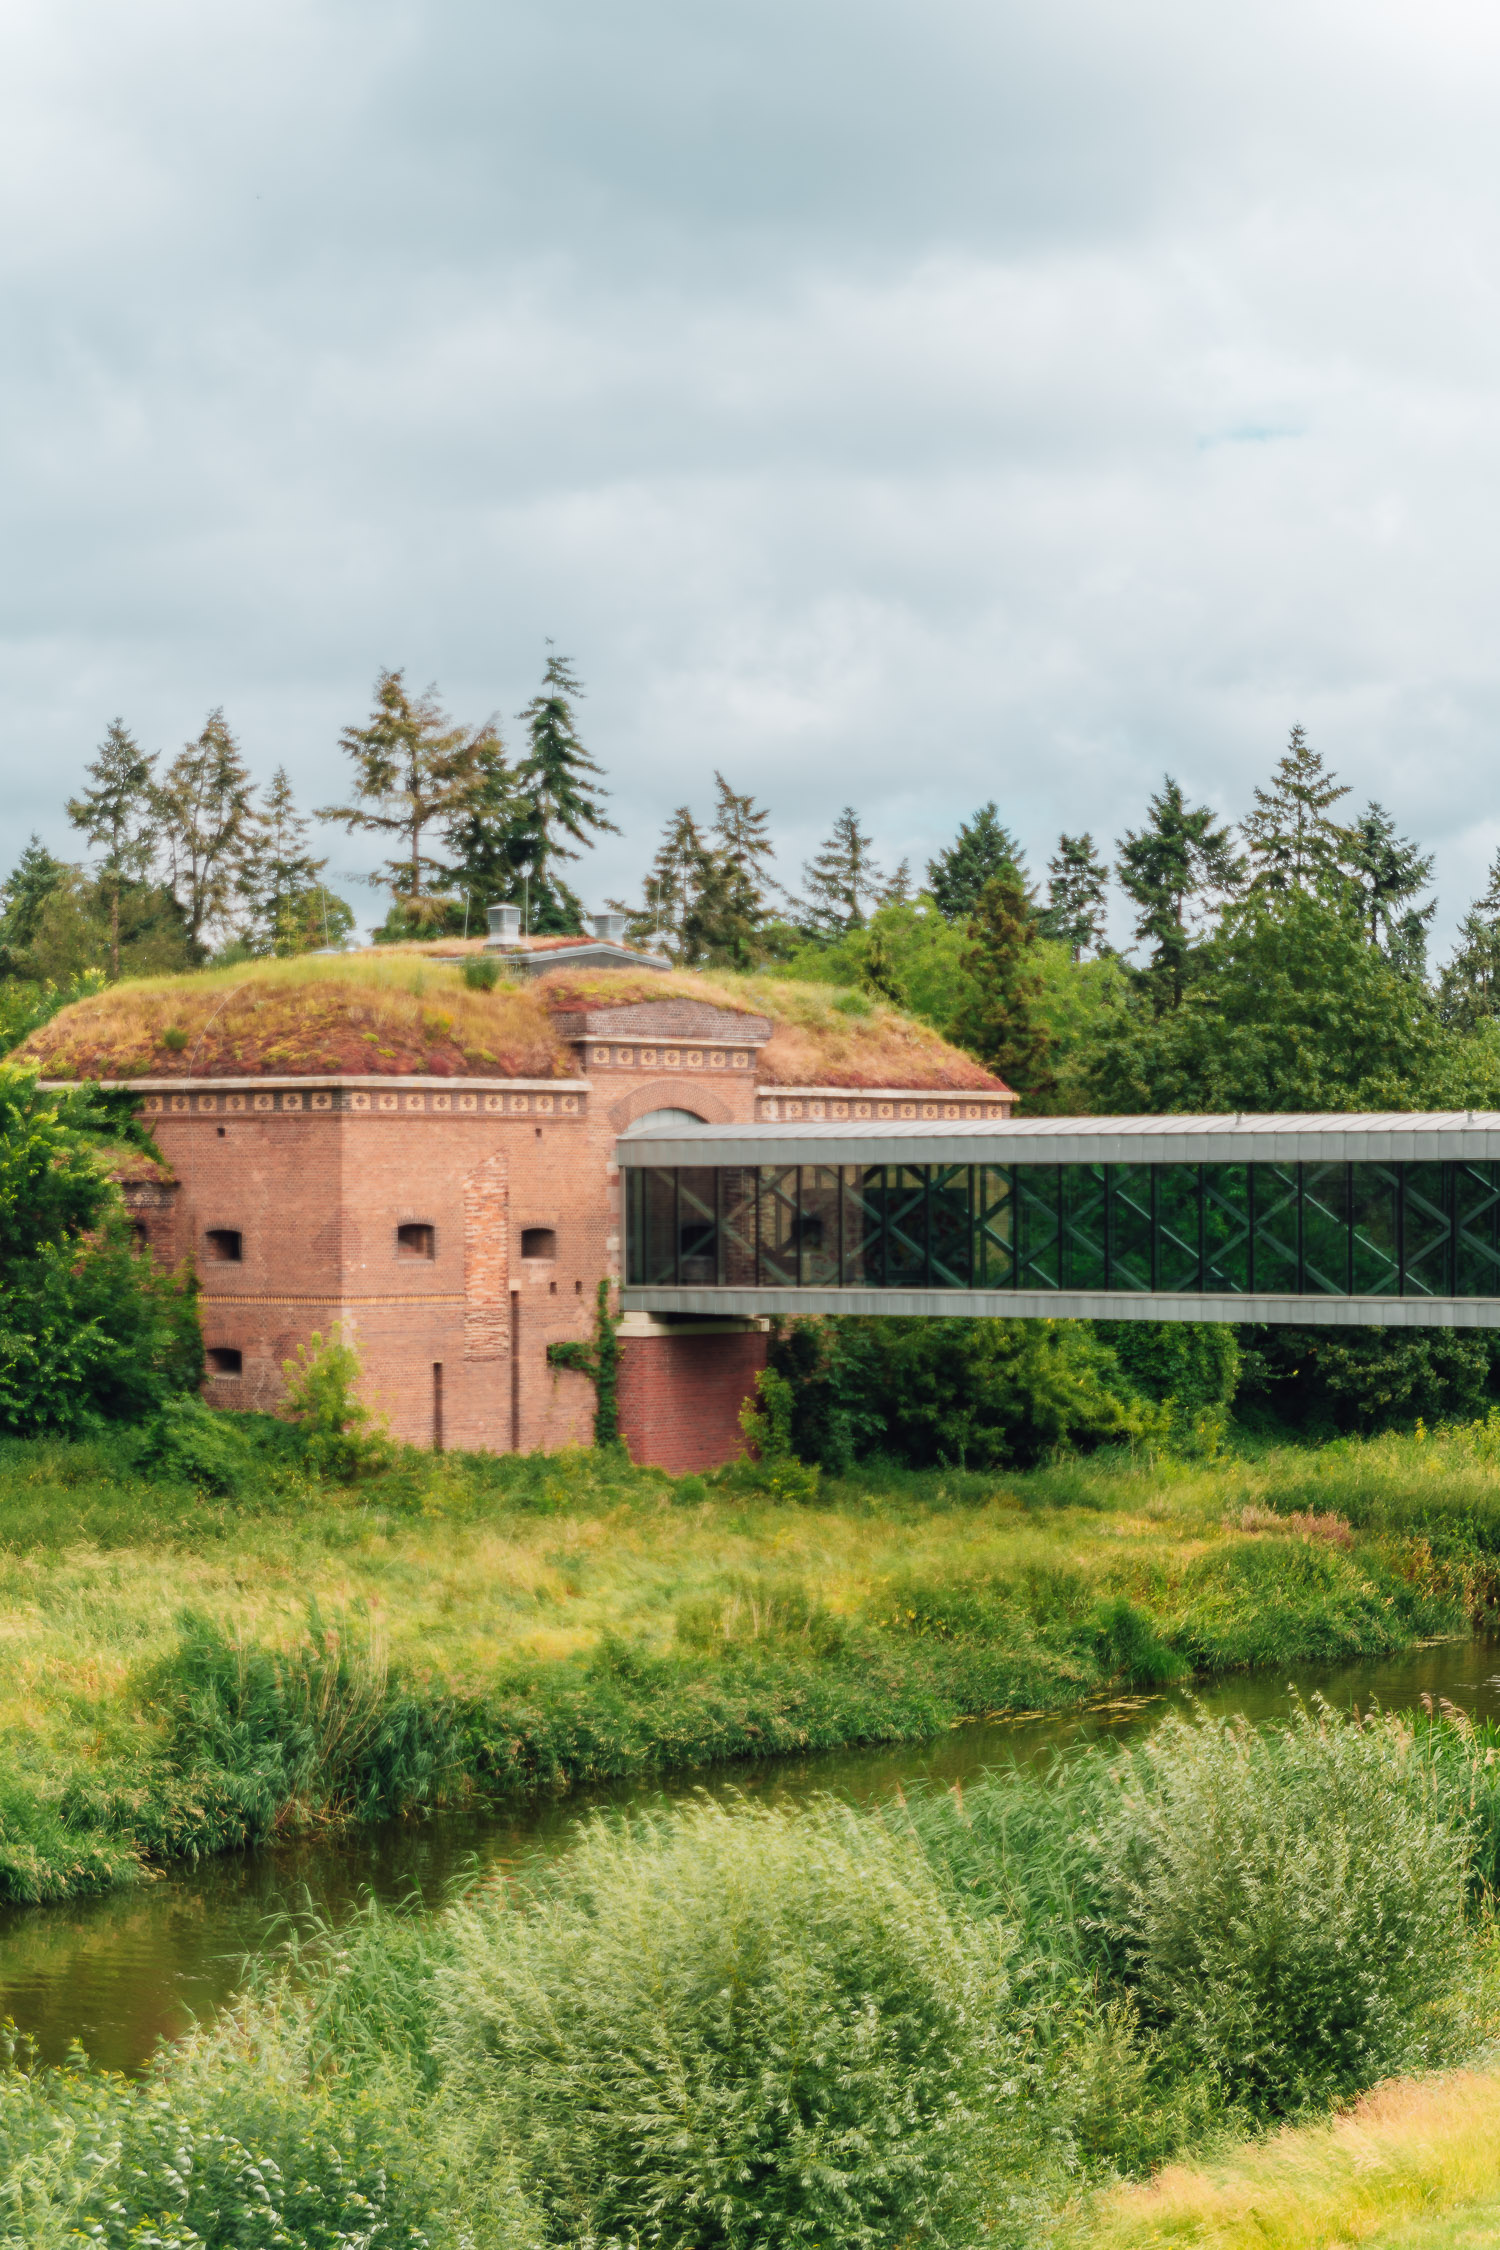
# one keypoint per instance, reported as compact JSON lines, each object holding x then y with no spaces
{"x":900,"y":401}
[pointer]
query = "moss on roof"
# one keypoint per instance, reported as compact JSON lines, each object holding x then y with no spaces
{"x":401,"y":1013}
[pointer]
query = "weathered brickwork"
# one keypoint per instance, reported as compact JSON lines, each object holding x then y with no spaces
{"x":455,"y":1230}
{"x":680,"y":1397}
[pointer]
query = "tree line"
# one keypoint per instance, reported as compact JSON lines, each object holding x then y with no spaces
{"x":1279,"y":962}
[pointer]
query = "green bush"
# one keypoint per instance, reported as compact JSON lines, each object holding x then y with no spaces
{"x":1194,"y":1364}
{"x":186,"y":1443}
{"x":341,"y":1439}
{"x":719,"y":2027}
{"x":1321,"y":1380}
{"x":1284,"y":1903}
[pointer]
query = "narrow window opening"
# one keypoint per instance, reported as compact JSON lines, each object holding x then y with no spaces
{"x":416,"y":1242}
{"x":578,"y":1288}
{"x":538,"y":1242}
{"x":552,"y":1287}
{"x":223,"y":1359}
{"x":141,"y":1234}
{"x":226,"y":1245}
{"x":437,"y":1406}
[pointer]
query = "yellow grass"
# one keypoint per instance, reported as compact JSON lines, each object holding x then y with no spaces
{"x":1416,"y":2166}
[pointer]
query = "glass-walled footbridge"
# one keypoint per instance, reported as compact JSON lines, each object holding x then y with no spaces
{"x":1364,"y":1219}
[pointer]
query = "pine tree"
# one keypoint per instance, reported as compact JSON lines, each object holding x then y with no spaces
{"x":290,"y":909}
{"x":1077,"y":888}
{"x":896,"y":890}
{"x":1469,"y":984}
{"x":1000,"y":1020}
{"x":413,"y":770}
{"x":841,"y":880}
{"x":1171,"y":868}
{"x":1389,"y":871}
{"x":23,"y":894}
{"x":118,"y":816}
{"x":1293,"y":843}
{"x":559,"y":779}
{"x":670,"y":888}
{"x":983,"y":848}
{"x":204,"y":805}
{"x":491,"y":835}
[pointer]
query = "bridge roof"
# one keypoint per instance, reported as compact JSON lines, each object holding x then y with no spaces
{"x":1383,"y":1137}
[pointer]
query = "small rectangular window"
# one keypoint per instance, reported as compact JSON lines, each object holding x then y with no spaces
{"x":418,"y":1241}
{"x":223,"y":1359}
{"x":539,"y":1242}
{"x":226,"y":1245}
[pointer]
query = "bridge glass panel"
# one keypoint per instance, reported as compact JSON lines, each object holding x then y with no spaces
{"x":1179,"y":1223}
{"x":777,"y":1262}
{"x":1476,"y":1213}
{"x":818,"y":1226}
{"x":863,"y":1201}
{"x":1375,"y":1229}
{"x":906,"y":1226}
{"x":1131,"y":1226}
{"x":1226,"y":1228}
{"x":950,"y":1225}
{"x":1083,"y":1245}
{"x":1426,"y":1231}
{"x":1317,"y":1229}
{"x":653,"y":1261}
{"x":994,"y":1227}
{"x":1038,"y":1192}
{"x":1277,"y":1264}
{"x":1325,"y":1230}
{"x":697,"y":1227}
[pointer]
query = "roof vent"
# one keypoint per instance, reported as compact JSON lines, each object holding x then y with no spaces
{"x":505,"y":924}
{"x":611,"y":926}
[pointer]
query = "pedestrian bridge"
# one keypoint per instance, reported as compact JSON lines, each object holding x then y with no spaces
{"x":1330,"y":1219}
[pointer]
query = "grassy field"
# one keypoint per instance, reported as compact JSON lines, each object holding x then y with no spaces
{"x":182,"y":1673}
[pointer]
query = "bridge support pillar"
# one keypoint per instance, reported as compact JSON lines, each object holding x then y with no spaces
{"x":682,"y":1384}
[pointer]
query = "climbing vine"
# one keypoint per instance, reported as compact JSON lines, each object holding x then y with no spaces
{"x":599,"y":1360}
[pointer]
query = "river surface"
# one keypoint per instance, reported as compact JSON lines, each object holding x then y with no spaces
{"x":114,"y":1975}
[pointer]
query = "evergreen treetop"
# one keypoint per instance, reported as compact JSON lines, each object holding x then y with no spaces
{"x":999,"y":1020}
{"x":1389,"y":872}
{"x":1173,"y":869}
{"x":118,"y":816}
{"x":1077,"y":890}
{"x":842,"y":879}
{"x":204,"y":805}
{"x":983,"y":848}
{"x":413,"y":770}
{"x":561,"y":782}
{"x":1293,"y":843}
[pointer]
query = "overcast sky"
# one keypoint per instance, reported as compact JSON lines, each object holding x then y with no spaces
{"x":900,"y":401}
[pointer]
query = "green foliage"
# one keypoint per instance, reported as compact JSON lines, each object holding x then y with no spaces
{"x":185,"y":1443}
{"x":742,"y":2028}
{"x":1193,"y":1363}
{"x":983,"y":850}
{"x":1321,"y":1380}
{"x":842,"y":880}
{"x":564,"y":795}
{"x":1291,"y":1009}
{"x":1000,"y":1021}
{"x":600,"y":1362}
{"x":768,"y":1421}
{"x":88,"y":1328}
{"x":983,"y":1393}
{"x":341,"y":1439}
{"x":1285,"y":1903}
{"x":481,"y":975}
{"x":1171,"y":869}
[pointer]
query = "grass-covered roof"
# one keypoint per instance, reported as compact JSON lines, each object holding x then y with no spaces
{"x":403,"y":1013}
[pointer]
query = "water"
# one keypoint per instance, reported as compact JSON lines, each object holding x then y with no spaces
{"x":116,"y":1974}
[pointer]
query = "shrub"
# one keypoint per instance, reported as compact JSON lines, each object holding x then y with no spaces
{"x":186,"y":1443}
{"x":1285,"y":1902}
{"x":1364,"y":1379}
{"x":1194,"y":1364}
{"x":481,"y":975}
{"x":341,"y":1439}
{"x":719,"y":2027}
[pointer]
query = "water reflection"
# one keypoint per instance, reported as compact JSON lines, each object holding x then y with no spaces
{"x":115,"y":1975}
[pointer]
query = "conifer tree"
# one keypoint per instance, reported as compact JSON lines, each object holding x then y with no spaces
{"x":669,"y":889}
{"x":983,"y":848}
{"x":1077,"y":887}
{"x":560,"y":781}
{"x":1293,"y":843}
{"x":204,"y":805}
{"x":491,"y":833}
{"x":1388,"y":872}
{"x":1469,"y":984}
{"x":1171,"y":869}
{"x":118,"y":815}
{"x":1000,"y":1020}
{"x":842,"y":879}
{"x":23,"y":894}
{"x":413,"y":771}
{"x":290,"y":909}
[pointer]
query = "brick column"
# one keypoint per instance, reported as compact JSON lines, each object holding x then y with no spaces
{"x":680,"y":1396}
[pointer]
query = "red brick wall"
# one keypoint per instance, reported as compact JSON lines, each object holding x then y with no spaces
{"x":680,"y":1396}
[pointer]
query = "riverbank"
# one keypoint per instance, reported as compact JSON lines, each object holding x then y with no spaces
{"x":182,"y":1674}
